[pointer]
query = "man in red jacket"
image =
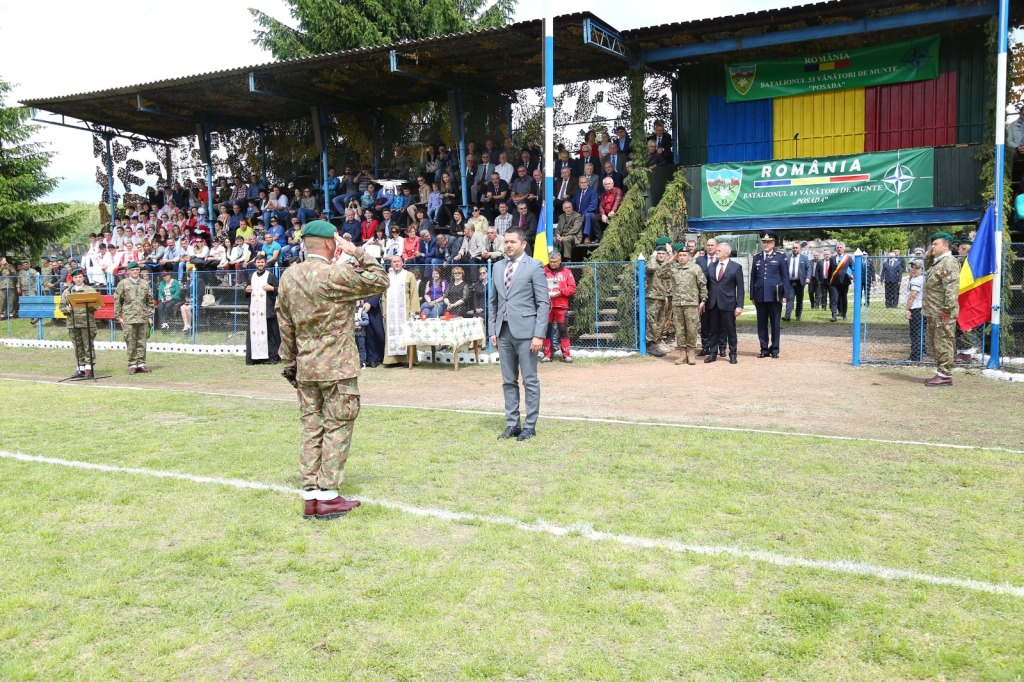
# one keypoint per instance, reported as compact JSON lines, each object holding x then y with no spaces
{"x":561,"y":286}
{"x":607,"y":205}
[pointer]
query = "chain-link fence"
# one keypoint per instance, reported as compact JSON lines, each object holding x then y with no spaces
{"x":892,"y":322}
{"x":1013,"y":300}
{"x":211,"y":307}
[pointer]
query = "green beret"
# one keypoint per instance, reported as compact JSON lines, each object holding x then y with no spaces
{"x":679,"y":246}
{"x":663,"y":241}
{"x":943,"y":235}
{"x":131,"y":266}
{"x":661,"y":247}
{"x":77,"y":271}
{"x":319,"y":228}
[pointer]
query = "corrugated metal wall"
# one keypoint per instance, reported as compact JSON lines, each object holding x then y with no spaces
{"x":739,"y":132}
{"x":905,"y":115}
{"x":695,"y":86}
{"x":964,"y":55}
{"x":828,"y":123}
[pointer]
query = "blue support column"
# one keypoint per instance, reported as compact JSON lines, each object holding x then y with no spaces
{"x":1000,"y":129}
{"x":321,"y":120}
{"x":204,"y":131}
{"x":263,"y":155}
{"x":376,"y":145}
{"x":459,"y":116}
{"x":858,"y":278}
{"x":107,"y":137}
{"x":641,"y":303}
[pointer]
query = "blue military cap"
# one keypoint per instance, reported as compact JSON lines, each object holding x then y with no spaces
{"x":769,"y":236}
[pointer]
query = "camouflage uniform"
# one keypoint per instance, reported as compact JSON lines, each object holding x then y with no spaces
{"x":689,"y":288}
{"x":133,"y":302}
{"x":314,"y":311}
{"x":659,"y":289}
{"x":8,"y":281}
{"x":80,"y":323}
{"x":941,"y":295}
{"x":47,"y":272}
{"x":27,"y":280}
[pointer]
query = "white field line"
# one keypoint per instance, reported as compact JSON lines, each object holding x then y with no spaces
{"x":555,"y":417}
{"x":582,"y":530}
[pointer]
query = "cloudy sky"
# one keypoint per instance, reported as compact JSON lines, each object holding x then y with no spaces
{"x":108,"y":43}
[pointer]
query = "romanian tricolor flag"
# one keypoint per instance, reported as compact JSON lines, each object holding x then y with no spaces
{"x":976,"y":275}
{"x":540,"y":242}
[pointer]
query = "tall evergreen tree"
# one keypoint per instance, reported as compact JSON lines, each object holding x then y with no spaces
{"x":27,"y":224}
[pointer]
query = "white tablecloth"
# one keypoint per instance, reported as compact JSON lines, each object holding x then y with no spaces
{"x":453,"y":332}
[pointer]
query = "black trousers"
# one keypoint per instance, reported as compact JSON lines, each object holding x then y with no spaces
{"x":892,"y":294}
{"x":916,"y":335}
{"x":838,"y":293}
{"x":798,"y":299}
{"x":721,"y":329}
{"x":768,"y":316}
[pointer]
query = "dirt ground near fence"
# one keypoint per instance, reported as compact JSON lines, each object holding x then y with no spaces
{"x":811,"y":388}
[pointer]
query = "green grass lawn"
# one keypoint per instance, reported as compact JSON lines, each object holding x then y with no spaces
{"x":120,"y":576}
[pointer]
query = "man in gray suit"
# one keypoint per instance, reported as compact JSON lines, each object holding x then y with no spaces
{"x":517,"y":322}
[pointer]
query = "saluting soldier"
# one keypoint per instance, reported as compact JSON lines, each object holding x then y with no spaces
{"x":133,"y":308}
{"x":941,"y":307}
{"x":689,"y":290}
{"x":80,"y":322}
{"x":8,"y":284}
{"x":769,"y":290}
{"x":321,"y":359}
{"x":659,"y":288}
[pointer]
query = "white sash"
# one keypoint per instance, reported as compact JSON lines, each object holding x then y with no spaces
{"x":258,"y":318}
{"x":397,"y":312}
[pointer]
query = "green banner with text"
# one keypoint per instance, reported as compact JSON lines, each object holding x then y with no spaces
{"x":860,"y":182}
{"x":913,"y":60}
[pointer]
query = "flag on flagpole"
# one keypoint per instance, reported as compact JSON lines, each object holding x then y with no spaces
{"x":976,"y":275}
{"x":540,"y":242}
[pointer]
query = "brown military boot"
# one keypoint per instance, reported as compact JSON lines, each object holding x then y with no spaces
{"x":691,"y":356}
{"x":132,"y":370}
{"x":309,"y":511}
{"x":939,"y":381}
{"x":142,"y":369}
{"x":339,"y":506}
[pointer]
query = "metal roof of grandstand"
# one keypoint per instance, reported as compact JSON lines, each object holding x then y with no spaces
{"x":498,"y":60}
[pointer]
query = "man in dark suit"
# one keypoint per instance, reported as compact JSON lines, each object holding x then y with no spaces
{"x":706,"y":262}
{"x":840,"y":277}
{"x":617,"y":158}
{"x":565,"y":186}
{"x":565,"y":162}
{"x":517,"y":322}
{"x":725,"y":301}
{"x":770,"y":291}
{"x":662,"y":142}
{"x":482,"y":177}
{"x":893,"y":268}
{"x":585,"y":203}
{"x":525,"y":221}
{"x":814,"y":286}
{"x":799,"y":270}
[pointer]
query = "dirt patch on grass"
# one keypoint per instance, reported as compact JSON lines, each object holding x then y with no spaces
{"x":811,"y":388}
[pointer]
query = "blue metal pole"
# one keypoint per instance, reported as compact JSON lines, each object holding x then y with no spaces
{"x":460,"y":117}
{"x":376,"y":146}
{"x":597,"y":308}
{"x":194,"y":332}
{"x":107,"y":137}
{"x":549,"y":126}
{"x":997,"y":279}
{"x":858,"y":277}
{"x":641,"y":303}
{"x":322,"y":116}
{"x":211,"y":217}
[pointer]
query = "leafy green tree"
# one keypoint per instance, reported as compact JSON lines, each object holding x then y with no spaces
{"x":27,"y":224}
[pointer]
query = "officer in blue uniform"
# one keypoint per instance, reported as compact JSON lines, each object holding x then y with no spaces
{"x":769,"y":290}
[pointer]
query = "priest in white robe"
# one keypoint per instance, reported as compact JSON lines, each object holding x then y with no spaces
{"x":263,"y":338}
{"x":399,"y":302}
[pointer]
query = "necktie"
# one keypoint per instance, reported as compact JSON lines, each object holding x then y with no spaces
{"x":509,"y":269}
{"x":793,"y":267}
{"x":826,"y":268}
{"x":613,"y":162}
{"x":721,"y":271}
{"x":561,"y":192}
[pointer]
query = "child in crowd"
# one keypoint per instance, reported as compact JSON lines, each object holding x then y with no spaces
{"x":362,"y":322}
{"x":433,"y":202}
{"x":253,"y":210}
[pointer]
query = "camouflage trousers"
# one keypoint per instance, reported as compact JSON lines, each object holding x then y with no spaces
{"x":6,"y":301}
{"x":657,"y":312}
{"x":687,"y":325}
{"x":941,"y":343}
{"x":327,"y":412}
{"x":80,"y":340}
{"x":135,"y":339}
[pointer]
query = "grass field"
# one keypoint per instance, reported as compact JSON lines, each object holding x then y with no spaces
{"x":116,"y":575}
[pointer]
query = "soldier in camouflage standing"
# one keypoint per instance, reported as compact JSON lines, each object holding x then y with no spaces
{"x":689,"y":289}
{"x":941,"y":307}
{"x":321,"y":359}
{"x":659,"y":289}
{"x":8,"y":284}
{"x":133,"y":308}
{"x":28,"y":279}
{"x":81,"y":322}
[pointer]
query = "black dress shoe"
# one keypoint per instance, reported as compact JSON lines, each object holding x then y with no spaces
{"x":732,"y":359}
{"x":775,"y":356}
{"x":710,"y":358}
{"x":721,"y":351}
{"x":510,"y":432}
{"x":786,"y":319}
{"x":704,"y":352}
{"x":526,"y":433}
{"x":763,"y":354}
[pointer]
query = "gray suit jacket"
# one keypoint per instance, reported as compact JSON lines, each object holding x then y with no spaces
{"x":526,"y":304}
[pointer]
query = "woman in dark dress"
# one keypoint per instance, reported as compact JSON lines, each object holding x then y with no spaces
{"x":459,"y":299}
{"x":374,"y":331}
